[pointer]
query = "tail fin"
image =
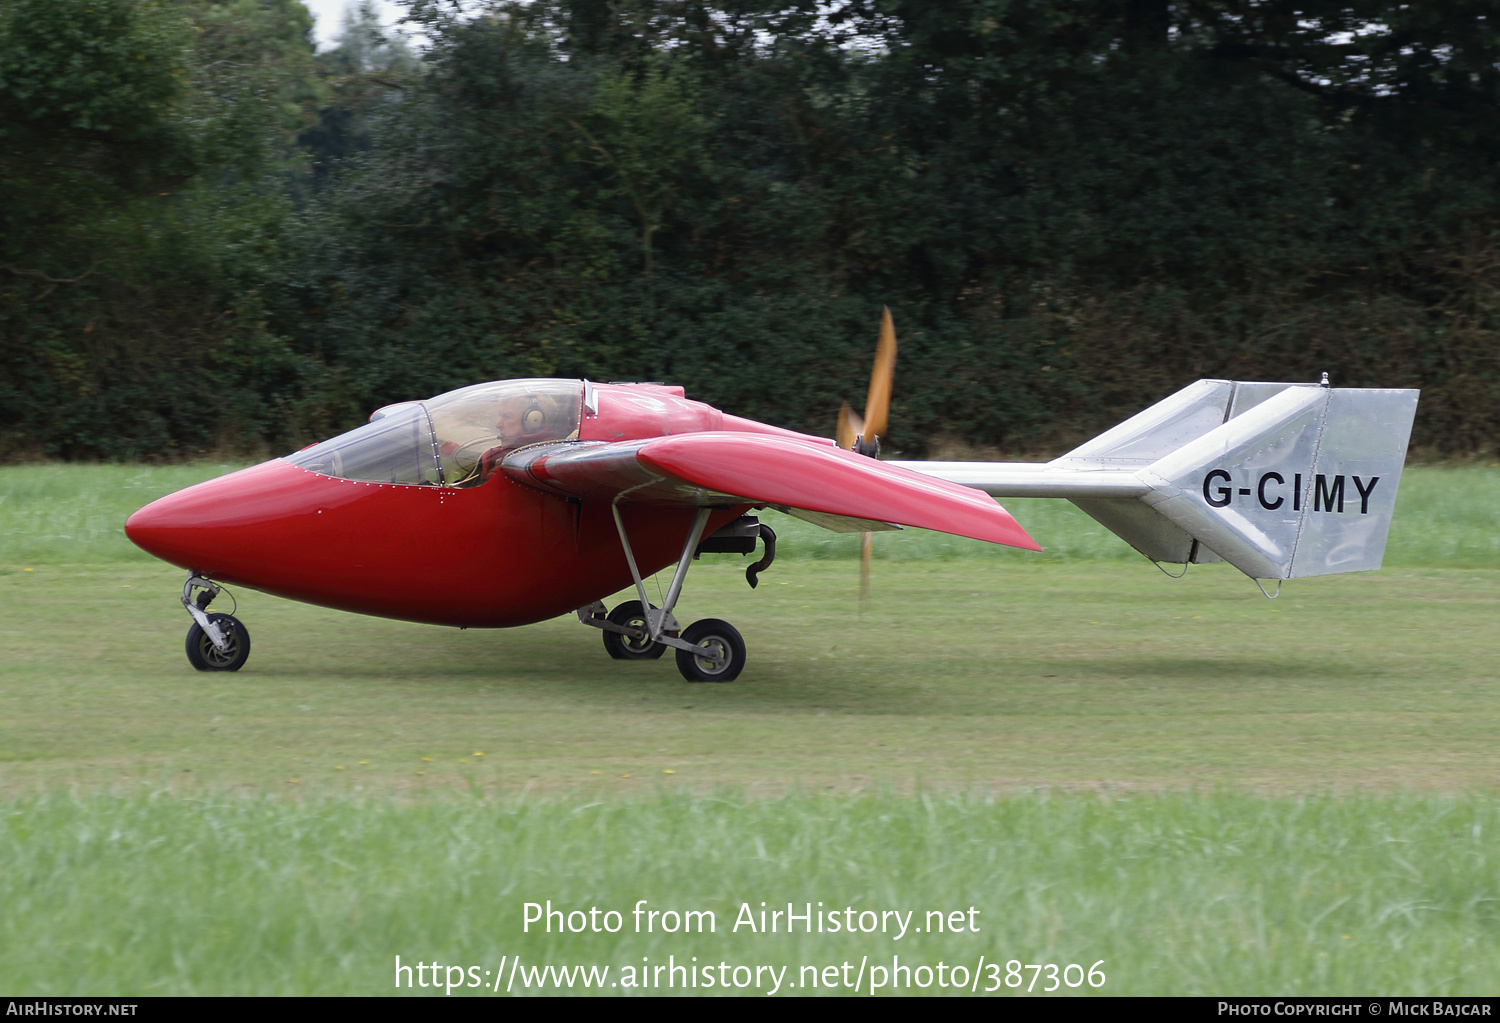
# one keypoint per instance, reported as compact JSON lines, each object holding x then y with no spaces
{"x":1280,"y":480}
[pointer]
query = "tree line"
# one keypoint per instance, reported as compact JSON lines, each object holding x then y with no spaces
{"x":213,"y":237}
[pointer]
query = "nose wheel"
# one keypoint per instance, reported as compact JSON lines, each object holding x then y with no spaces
{"x":205,"y":656}
{"x":215,"y":642}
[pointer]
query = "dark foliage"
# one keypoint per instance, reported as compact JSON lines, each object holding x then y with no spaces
{"x":1072,"y":207}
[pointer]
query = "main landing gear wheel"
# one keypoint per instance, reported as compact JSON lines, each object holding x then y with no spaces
{"x":627,"y":648}
{"x":203,"y":655}
{"x":724,"y":640}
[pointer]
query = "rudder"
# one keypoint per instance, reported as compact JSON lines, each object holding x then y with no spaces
{"x":1295,"y":480}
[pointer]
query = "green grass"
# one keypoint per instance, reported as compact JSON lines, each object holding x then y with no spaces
{"x":1206,"y":789}
{"x":75,"y":514}
{"x":958,"y":675}
{"x":1179,"y":894}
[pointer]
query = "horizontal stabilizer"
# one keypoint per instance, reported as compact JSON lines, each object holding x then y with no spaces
{"x":1280,"y":480}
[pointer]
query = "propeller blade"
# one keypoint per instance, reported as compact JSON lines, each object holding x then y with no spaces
{"x":850,"y":425}
{"x":878,"y":402}
{"x":855,"y":433}
{"x":864,"y":571}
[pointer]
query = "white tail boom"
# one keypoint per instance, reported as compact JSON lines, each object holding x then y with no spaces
{"x":1280,"y":480}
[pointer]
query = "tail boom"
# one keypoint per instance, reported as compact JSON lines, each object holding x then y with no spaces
{"x":1280,"y":480}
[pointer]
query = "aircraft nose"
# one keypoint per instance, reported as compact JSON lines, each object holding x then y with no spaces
{"x":203,"y":527}
{"x":165,"y":529}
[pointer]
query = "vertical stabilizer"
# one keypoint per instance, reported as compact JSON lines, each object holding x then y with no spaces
{"x":1280,"y":480}
{"x":1302,"y":484}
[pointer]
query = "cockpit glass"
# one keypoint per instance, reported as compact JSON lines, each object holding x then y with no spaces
{"x":476,"y":426}
{"x":456,"y":439}
{"x":397,"y":448}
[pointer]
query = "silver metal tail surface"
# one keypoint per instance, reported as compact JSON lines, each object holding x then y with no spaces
{"x":1280,"y":480}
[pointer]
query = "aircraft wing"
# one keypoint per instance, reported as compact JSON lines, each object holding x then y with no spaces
{"x":822,"y":483}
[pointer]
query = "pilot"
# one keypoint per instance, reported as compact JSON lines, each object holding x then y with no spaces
{"x":524,"y":419}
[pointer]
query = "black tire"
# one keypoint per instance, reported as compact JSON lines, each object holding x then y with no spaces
{"x":203,"y":655}
{"x":715,"y":635}
{"x":626,"y":648}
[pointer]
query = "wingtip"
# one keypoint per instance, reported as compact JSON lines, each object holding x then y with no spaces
{"x":1016,"y":536}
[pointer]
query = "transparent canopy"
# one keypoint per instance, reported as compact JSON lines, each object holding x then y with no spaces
{"x":453,"y":440}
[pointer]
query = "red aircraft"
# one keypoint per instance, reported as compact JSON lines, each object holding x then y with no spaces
{"x":512,"y":502}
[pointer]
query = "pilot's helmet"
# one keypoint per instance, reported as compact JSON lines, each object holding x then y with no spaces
{"x":537,"y":415}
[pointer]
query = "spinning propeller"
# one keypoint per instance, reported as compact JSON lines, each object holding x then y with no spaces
{"x":862,"y":434}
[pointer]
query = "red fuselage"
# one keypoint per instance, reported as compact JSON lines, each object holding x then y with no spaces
{"x":494,"y":554}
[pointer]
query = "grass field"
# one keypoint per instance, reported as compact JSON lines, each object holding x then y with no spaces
{"x":1213,"y":792}
{"x":1179,"y":894}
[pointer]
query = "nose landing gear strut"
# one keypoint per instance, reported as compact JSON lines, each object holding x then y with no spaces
{"x":216,"y":642}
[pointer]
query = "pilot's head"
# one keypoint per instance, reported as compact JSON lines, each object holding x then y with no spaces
{"x":526,"y":419}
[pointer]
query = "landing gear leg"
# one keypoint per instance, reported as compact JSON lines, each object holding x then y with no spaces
{"x":627,"y":635}
{"x":708,"y":651}
{"x":215,"y":642}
